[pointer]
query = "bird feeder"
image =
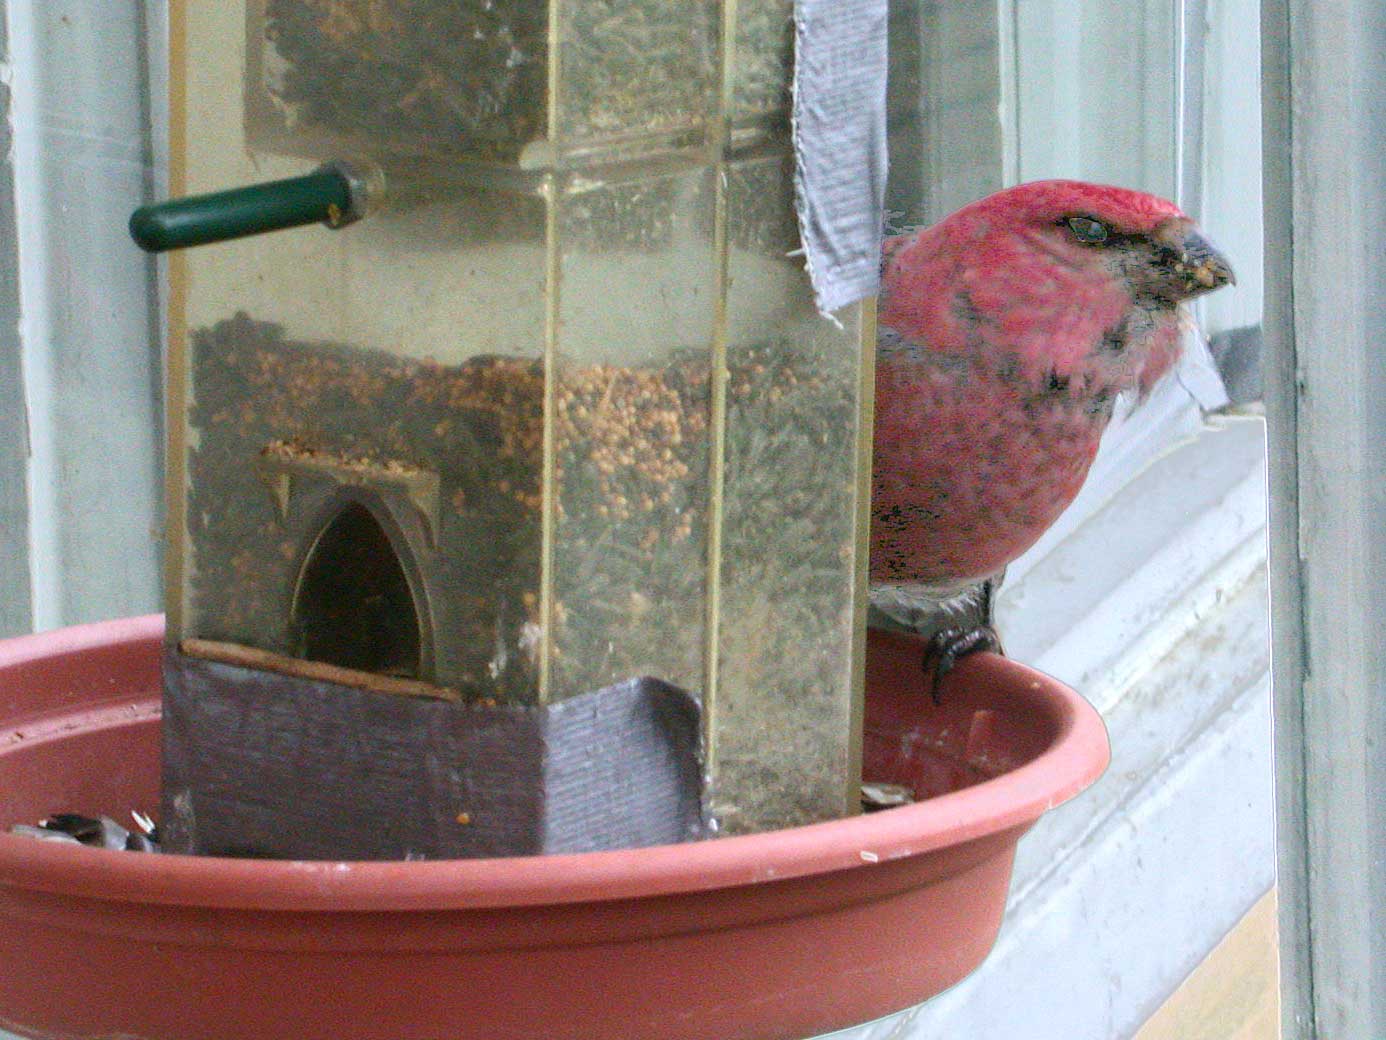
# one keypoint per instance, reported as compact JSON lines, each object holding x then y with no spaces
{"x":523,"y":496}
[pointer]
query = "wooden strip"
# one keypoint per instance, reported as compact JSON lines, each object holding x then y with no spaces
{"x":1234,"y":993}
{"x":176,"y":316}
{"x":316,"y":671}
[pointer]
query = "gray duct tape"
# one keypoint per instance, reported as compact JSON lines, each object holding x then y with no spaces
{"x":270,"y":765}
{"x":840,"y":144}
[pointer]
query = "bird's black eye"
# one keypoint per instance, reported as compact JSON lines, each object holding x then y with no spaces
{"x":1085,"y":229}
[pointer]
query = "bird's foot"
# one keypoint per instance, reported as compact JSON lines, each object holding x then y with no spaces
{"x":949,"y":646}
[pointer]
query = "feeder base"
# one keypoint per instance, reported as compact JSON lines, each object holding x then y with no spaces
{"x":269,"y":765}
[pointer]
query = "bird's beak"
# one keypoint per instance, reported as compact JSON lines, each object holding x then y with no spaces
{"x":1195,"y":262}
{"x":1202,"y":264}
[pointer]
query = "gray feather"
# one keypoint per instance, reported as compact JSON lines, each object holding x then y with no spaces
{"x":928,"y":609}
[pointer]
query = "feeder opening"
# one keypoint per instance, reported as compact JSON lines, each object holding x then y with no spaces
{"x":354,"y":606}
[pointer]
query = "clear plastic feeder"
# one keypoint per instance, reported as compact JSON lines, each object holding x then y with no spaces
{"x":559,"y":410}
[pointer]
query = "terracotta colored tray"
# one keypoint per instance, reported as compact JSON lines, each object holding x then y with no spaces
{"x":782,"y":935}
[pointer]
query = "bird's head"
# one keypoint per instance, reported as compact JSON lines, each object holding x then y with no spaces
{"x":1082,"y":280}
{"x":1145,"y":242}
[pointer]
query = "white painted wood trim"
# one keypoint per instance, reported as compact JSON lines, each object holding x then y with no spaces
{"x":1325,"y":216}
{"x":87,"y":310}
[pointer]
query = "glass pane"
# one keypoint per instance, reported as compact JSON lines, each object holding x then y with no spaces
{"x":944,"y":121}
{"x":638,"y":292}
{"x":395,"y":363}
{"x":782,"y":724}
{"x":456,"y":77}
{"x":1111,"y":121}
{"x":634,"y":68}
{"x":764,"y":58}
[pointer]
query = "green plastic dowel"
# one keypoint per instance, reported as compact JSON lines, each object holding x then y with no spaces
{"x":324,"y":196}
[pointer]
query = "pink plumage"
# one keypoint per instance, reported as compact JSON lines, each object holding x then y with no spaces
{"x":1007,"y":332}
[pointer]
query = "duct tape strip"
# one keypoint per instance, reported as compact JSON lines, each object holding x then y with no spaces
{"x":840,"y":144}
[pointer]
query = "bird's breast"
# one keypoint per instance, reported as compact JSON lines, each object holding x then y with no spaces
{"x":972,"y":464}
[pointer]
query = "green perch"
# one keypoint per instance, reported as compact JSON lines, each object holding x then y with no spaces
{"x":330,"y":195}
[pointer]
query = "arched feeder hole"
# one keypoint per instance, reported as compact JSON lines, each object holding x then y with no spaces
{"x":354,"y":606}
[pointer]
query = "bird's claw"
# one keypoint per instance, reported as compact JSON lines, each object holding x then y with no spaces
{"x":949,"y":646}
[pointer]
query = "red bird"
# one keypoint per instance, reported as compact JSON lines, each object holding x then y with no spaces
{"x":1007,"y":332}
